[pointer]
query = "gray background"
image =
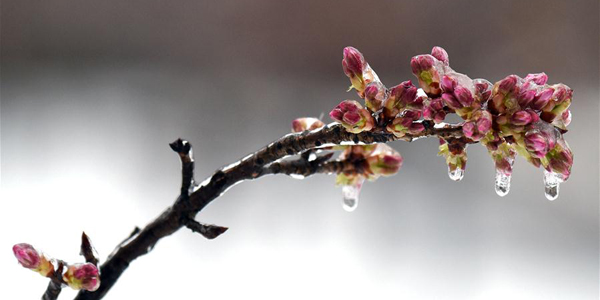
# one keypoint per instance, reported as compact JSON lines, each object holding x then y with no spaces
{"x":92,"y":92}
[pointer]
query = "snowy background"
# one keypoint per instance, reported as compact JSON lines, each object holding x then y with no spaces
{"x":92,"y":92}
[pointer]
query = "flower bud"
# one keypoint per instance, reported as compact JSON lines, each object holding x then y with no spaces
{"x":451,"y":101}
{"x":537,"y":143}
{"x":404,"y":124}
{"x":375,"y":94}
{"x":384,"y":161}
{"x":427,"y":69}
{"x":440,"y":54}
{"x":82,"y":276}
{"x":354,"y":64}
{"x":302,"y":124}
{"x":353,"y":116}
{"x":31,"y":259}
{"x":537,"y":78}
{"x":434,"y":110}
{"x":560,"y":159}
{"x":521,"y":118}
{"x":463,"y":95}
{"x":483,"y":90}
{"x":542,"y":98}
{"x":401,"y":96}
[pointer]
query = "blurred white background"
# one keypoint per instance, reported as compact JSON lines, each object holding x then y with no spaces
{"x":93,"y":91}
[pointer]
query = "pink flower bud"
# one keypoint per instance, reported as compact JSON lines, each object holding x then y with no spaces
{"x":302,"y":124}
{"x":434,"y":110}
{"x":448,"y":84}
{"x":525,"y":97}
{"x":27,"y":256}
{"x":427,"y":69}
{"x":440,"y":54}
{"x":469,"y":129}
{"x":384,"y":161}
{"x":536,"y":143}
{"x":542,"y":98}
{"x":30,"y":258}
{"x":82,"y":276}
{"x":483,"y":89}
{"x":537,"y":78}
{"x":353,"y":62}
{"x":507,"y":84}
{"x":400,"y":97}
{"x":560,"y":159}
{"x":451,"y":101}
{"x":463,"y":95}
{"x":354,"y":66}
{"x":375,"y":94}
{"x":521,"y":118}
{"x":353,"y":116}
{"x":404,"y":124}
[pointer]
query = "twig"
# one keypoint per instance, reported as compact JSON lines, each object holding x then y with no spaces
{"x":253,"y":166}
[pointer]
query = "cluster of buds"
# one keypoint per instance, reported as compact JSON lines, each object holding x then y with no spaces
{"x":368,"y":162}
{"x":506,"y":116}
{"x":454,"y":151}
{"x":78,"y":276}
{"x":433,"y":110}
{"x":405,"y":123}
{"x":303,"y":124}
{"x":353,"y":116}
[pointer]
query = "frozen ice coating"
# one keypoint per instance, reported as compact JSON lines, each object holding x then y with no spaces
{"x":297,"y":176}
{"x":350,"y":195}
{"x":502,"y":184}
{"x":457,"y":174}
{"x":551,"y":185}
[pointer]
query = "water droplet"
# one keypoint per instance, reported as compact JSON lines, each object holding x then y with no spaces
{"x":350,"y":196}
{"x":297,"y":176}
{"x":551,"y":185}
{"x":502,"y":183}
{"x":456,"y":174}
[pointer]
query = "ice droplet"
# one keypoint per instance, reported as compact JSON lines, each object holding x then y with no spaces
{"x":350,"y":196}
{"x":297,"y":176}
{"x":551,"y":185}
{"x":502,"y":183}
{"x":456,"y":174}
{"x":312,"y":156}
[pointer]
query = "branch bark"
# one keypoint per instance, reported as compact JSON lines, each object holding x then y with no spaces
{"x":262,"y":162}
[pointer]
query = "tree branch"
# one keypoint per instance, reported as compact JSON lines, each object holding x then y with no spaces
{"x":255,"y":165}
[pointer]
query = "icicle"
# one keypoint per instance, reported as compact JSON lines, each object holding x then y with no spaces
{"x":551,"y":185}
{"x":457,"y":174}
{"x":350,"y":196}
{"x":502,"y":183}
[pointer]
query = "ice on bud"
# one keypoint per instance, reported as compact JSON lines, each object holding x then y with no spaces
{"x":32,"y":259}
{"x":483,"y":90}
{"x":302,"y":124}
{"x":440,"y":54}
{"x":537,"y":143}
{"x":537,"y":78}
{"x":521,"y":118}
{"x":375,"y":94}
{"x":427,"y":69}
{"x":551,"y":185}
{"x":401,"y":97}
{"x":357,"y":69}
{"x":502,"y":184}
{"x":82,"y":276}
{"x":350,"y":194}
{"x":353,"y":116}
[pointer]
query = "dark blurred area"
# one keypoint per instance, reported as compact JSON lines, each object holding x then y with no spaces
{"x":93,"y":91}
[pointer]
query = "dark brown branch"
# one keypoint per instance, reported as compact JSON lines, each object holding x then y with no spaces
{"x":184,"y":149}
{"x":87,"y":250}
{"x":209,"y":231}
{"x":55,"y":285}
{"x":251,"y":167}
